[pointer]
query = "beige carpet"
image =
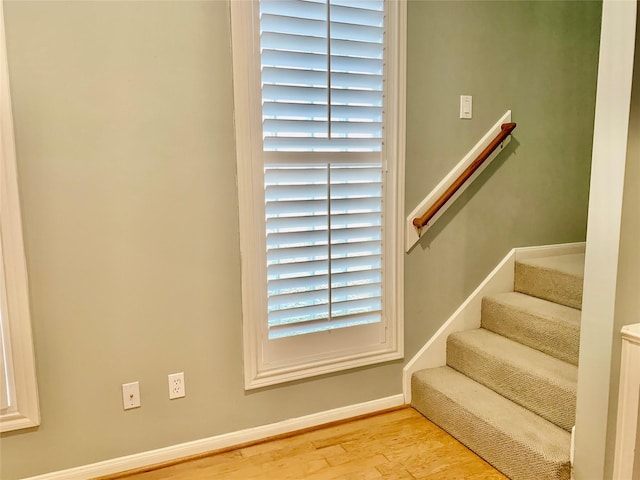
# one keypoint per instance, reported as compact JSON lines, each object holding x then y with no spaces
{"x":546,"y":326}
{"x":508,"y":391}
{"x":514,"y":440}
{"x":558,"y":279}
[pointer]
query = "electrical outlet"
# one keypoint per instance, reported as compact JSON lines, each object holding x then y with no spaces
{"x":130,"y":395}
{"x":176,"y":385}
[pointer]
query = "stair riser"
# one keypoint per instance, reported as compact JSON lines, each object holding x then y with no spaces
{"x":550,"y":285}
{"x":554,"y":337}
{"x":515,"y":459}
{"x":552,"y":402}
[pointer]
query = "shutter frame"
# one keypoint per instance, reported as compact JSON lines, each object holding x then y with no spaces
{"x":269,"y":362}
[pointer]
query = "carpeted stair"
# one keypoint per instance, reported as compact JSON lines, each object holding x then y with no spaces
{"x":508,"y":391}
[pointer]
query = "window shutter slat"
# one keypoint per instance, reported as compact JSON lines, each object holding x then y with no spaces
{"x":354,"y":307}
{"x":350,"y":250}
{"x":295,"y":301}
{"x":355,"y":81}
{"x":298,"y":224}
{"x":363,"y":98}
{"x":353,"y":190}
{"x":356,"y":278}
{"x":295,"y":192}
{"x":311,"y":144}
{"x":298,"y":315}
{"x":293,"y":59}
{"x":319,"y":129}
{"x":296,"y":208}
{"x":286,"y":286}
{"x":356,"y":293}
{"x":294,"y":77}
{"x":287,"y":240}
{"x":367,"y":13}
{"x":357,"y":264}
{"x":355,"y":65}
{"x":297,"y":269}
{"x":355,"y":32}
{"x":353,"y":235}
{"x":292,"y":25}
{"x":319,"y":112}
{"x":295,"y":8}
{"x":297,"y":254}
{"x":356,"y":49}
{"x":281,"y":331}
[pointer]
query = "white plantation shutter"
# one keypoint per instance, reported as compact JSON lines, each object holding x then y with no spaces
{"x":322,"y":74}
{"x":324,"y":246}
{"x":319,"y":104}
{"x":322,"y":91}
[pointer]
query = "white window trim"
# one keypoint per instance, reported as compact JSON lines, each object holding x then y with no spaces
{"x":247,"y":97}
{"x":25,"y":412}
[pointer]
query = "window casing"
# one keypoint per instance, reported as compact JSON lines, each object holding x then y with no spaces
{"x":19,"y":407}
{"x":320,"y":150}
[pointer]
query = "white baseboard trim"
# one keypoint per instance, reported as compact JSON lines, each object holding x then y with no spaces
{"x":527,"y":253}
{"x":467,"y":316}
{"x":218,"y":442}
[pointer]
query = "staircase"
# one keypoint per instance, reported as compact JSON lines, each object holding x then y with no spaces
{"x":508,"y":391}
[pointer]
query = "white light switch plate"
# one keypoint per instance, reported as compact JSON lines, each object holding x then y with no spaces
{"x":466,"y":106}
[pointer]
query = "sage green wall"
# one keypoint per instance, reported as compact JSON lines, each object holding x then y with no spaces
{"x":126,"y":156}
{"x":538,"y":59}
{"x":124,"y":134}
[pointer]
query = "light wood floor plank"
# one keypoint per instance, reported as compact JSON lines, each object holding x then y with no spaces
{"x":398,"y":445}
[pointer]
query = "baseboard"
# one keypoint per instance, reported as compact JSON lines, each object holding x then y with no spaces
{"x":219,"y":442}
{"x":524,"y":253}
{"x":467,"y":316}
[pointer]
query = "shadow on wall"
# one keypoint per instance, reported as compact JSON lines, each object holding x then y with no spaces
{"x":458,"y":204}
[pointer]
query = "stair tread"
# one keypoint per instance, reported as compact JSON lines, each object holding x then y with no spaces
{"x":538,"y":306}
{"x":572,"y":264}
{"x":537,"y":381}
{"x":520,"y":356}
{"x":546,"y":326}
{"x":558,"y":278}
{"x":515,"y":440}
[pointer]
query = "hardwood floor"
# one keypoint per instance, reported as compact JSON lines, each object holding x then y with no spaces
{"x":397,"y":445}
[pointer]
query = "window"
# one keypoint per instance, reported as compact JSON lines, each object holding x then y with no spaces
{"x":319,"y":104}
{"x":18,"y":391}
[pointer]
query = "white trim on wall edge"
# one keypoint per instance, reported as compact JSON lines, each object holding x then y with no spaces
{"x":218,"y":442}
{"x":467,"y":316}
{"x":626,"y":452}
{"x":24,"y":407}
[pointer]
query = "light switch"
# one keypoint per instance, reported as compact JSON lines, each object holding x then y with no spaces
{"x":466,"y":106}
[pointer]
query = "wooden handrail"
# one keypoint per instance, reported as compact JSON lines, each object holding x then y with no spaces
{"x":505,"y":131}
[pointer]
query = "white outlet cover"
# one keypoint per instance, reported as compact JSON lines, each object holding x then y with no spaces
{"x":176,"y":385}
{"x":130,"y":395}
